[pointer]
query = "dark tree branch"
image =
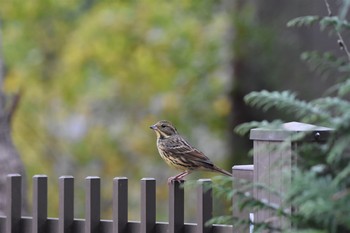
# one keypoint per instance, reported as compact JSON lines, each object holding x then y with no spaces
{"x":13,"y":106}
{"x":10,"y":161}
{"x":2,"y":66}
{"x":341,"y":41}
{"x":7,"y":110}
{"x":2,"y":74}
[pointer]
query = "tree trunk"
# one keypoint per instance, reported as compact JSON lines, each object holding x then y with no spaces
{"x":266,"y":55}
{"x":10,"y":161}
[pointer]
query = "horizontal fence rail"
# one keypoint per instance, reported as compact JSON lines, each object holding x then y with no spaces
{"x":39,"y":222}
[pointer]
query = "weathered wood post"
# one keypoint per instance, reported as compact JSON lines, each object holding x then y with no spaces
{"x":242,"y":173}
{"x":274,"y":156}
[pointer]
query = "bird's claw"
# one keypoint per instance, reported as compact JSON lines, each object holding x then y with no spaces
{"x":174,"y":179}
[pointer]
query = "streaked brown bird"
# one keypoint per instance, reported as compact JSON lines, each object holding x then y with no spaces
{"x":178,"y":153}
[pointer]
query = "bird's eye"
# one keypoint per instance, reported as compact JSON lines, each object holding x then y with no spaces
{"x":163,"y":125}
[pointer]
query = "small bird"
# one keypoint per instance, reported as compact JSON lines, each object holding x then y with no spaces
{"x":178,"y":153}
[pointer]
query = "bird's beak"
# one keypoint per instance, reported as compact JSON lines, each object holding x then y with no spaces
{"x":154,"y":127}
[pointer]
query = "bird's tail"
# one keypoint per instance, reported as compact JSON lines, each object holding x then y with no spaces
{"x":222,"y":171}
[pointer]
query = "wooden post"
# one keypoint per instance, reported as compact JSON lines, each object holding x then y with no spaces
{"x":148,"y":205}
{"x":274,"y":156}
{"x":13,"y":203}
{"x":204,"y":205}
{"x":39,"y":204}
{"x":120,"y":204}
{"x":92,"y":204}
{"x":242,"y":173}
{"x":176,"y":207}
{"x":66,"y":204}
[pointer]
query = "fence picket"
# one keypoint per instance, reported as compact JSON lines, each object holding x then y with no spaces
{"x":66,"y":204}
{"x":65,"y":223}
{"x":120,"y":204}
{"x":39,"y":204}
{"x":204,"y":205}
{"x":13,"y":203}
{"x":92,"y":204}
{"x":148,"y":205}
{"x":241,"y":173}
{"x":176,"y":207}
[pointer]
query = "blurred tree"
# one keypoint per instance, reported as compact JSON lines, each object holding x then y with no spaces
{"x":96,"y":74}
{"x":266,"y":55}
{"x":10,"y":162}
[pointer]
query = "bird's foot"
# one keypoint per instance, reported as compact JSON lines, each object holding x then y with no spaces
{"x":178,"y":177}
{"x":174,"y":179}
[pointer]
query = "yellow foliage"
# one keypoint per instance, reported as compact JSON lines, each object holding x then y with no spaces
{"x":95,"y":77}
{"x":222,"y":106}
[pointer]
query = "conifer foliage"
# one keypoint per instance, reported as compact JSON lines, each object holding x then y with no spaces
{"x":320,"y":189}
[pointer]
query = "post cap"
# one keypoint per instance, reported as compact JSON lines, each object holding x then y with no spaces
{"x":313,"y":132}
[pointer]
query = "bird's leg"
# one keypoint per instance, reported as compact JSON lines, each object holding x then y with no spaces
{"x":178,"y":176}
{"x":182,"y":175}
{"x":170,"y":179}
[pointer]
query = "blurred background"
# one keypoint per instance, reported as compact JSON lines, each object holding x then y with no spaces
{"x":91,"y":76}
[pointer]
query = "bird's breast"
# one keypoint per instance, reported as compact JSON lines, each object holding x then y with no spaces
{"x":171,"y":159}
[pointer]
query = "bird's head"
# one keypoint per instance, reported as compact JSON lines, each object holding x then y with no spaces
{"x":164,"y":129}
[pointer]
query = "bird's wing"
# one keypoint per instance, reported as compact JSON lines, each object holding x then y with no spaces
{"x":184,"y":151}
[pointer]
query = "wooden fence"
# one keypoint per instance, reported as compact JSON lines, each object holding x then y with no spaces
{"x":269,"y":168}
{"x":66,"y":223}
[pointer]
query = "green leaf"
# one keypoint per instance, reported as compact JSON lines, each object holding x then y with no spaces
{"x":334,"y":22}
{"x":303,"y":21}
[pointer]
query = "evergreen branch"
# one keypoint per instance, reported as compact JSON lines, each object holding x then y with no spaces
{"x":284,"y":101}
{"x":324,"y":62}
{"x":335,"y":22}
{"x":303,"y":21}
{"x":332,"y":104}
{"x":340,"y":89}
{"x":330,"y":20}
{"x":323,"y":21}
{"x":344,"y":174}
{"x":341,"y":123}
{"x":341,"y":42}
{"x":244,"y":128}
{"x":344,"y":88}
